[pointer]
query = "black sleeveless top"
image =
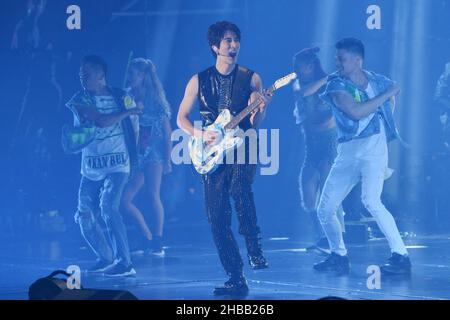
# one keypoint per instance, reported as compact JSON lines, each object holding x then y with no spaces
{"x":217,"y":91}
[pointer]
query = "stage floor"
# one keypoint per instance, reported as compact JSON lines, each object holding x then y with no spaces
{"x":191,"y":269}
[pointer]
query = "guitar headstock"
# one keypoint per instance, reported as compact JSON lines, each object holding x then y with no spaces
{"x":284,"y":81}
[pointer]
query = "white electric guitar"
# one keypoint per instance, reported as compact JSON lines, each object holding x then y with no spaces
{"x":206,"y":157}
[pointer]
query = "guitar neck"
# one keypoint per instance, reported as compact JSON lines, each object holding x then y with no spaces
{"x":245,"y":112}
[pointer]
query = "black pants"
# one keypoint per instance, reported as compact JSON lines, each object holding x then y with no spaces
{"x":233,"y":180}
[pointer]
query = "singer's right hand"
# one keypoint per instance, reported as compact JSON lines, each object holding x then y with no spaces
{"x":210,"y":136}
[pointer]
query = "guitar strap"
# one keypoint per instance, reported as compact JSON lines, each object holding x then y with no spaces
{"x":241,"y":89}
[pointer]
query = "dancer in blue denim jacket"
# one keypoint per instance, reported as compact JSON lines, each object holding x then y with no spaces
{"x":348,"y":126}
{"x":362,"y":105}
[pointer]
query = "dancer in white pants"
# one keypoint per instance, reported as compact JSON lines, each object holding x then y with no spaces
{"x":361,"y":102}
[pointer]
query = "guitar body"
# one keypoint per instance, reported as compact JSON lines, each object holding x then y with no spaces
{"x":207,"y":157}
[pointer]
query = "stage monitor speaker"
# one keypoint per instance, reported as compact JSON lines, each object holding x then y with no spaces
{"x":93,"y":294}
{"x":52,"y":288}
{"x":331,"y":298}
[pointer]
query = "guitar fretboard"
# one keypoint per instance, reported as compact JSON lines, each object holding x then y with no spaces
{"x":246,"y":111}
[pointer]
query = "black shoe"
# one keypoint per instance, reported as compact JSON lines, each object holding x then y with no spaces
{"x":334,"y":262}
{"x":258,"y":262}
{"x":101,"y":266}
{"x":236,"y":286}
{"x":120,"y":270}
{"x":397,"y":264}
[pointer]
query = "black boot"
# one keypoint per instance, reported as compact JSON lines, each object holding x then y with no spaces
{"x":258,"y":262}
{"x":334,"y":262}
{"x":397,"y":265}
{"x":255,"y":255}
{"x":235,"y":286}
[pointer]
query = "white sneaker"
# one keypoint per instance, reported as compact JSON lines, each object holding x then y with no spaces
{"x":157,"y":252}
{"x":120,"y":270}
{"x":102,"y":266}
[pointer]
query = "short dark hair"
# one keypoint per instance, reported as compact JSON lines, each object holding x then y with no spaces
{"x":352,"y":45}
{"x":217,"y":30}
{"x":96,"y":61}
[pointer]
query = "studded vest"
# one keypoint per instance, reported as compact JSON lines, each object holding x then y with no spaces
{"x":217,"y":92}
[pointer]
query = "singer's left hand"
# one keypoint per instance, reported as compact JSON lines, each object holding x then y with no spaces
{"x":265,"y":98}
